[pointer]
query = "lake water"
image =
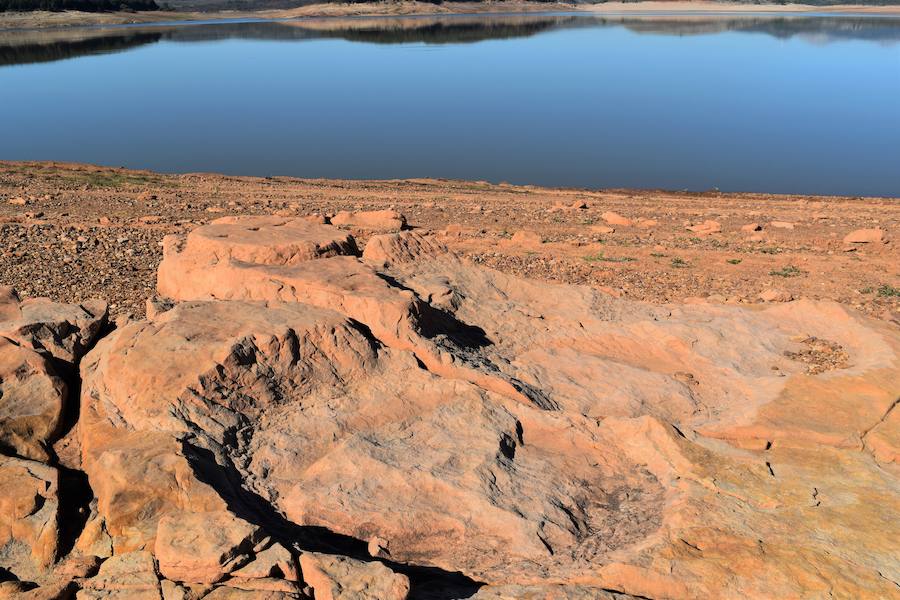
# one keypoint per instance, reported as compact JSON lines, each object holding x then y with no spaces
{"x":781,"y":104}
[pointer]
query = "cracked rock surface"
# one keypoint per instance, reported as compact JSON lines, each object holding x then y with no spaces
{"x":301,"y":419}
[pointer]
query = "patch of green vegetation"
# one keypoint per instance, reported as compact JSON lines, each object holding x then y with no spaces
{"x":658,"y":255}
{"x":680,"y":263}
{"x":599,"y":257}
{"x":788,"y":271}
{"x":888,"y":291}
{"x":114,"y":179}
{"x":734,"y":261}
{"x":770,"y":250}
{"x":867,"y":290}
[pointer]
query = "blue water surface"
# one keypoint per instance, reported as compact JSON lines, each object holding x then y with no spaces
{"x":797,"y":105}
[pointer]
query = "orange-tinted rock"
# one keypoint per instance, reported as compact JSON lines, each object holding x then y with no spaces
{"x":865,"y":236}
{"x":63,"y":331}
{"x":29,"y":515}
{"x":539,"y":439}
{"x":773,"y":295}
{"x":225,"y":592}
{"x":781,"y":224}
{"x":342,"y":578}
{"x":203,"y":547}
{"x":376,"y":220}
{"x":707,"y":227}
{"x":31,"y":401}
{"x":527,"y":238}
{"x":286,"y":241}
{"x":396,"y":248}
{"x":275,"y":561}
{"x":614,"y":218}
{"x":128,"y":576}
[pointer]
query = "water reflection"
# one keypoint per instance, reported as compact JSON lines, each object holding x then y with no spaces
{"x":24,"y":47}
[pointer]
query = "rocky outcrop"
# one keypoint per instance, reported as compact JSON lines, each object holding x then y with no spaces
{"x":294,"y":420}
{"x":32,"y":401}
{"x":374,"y":220}
{"x":864,"y":236}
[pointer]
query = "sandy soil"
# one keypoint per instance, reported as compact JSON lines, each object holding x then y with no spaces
{"x":41,"y":20}
{"x":75,"y":231}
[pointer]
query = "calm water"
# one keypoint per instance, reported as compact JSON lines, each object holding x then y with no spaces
{"x":802,"y":105}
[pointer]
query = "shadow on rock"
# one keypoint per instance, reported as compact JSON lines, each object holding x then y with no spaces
{"x":426,"y":582}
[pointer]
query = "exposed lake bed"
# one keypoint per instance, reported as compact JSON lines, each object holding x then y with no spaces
{"x":102,"y":228}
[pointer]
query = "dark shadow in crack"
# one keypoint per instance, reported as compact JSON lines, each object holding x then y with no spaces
{"x":434,"y":322}
{"x":75,"y":495}
{"x":426,"y":583}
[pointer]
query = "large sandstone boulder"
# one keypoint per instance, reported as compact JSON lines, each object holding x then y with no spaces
{"x":29,"y":517}
{"x":203,"y":547}
{"x":479,"y":431}
{"x":377,"y":220}
{"x":61,"y":331}
{"x":31,"y":401}
{"x":127,"y":576}
{"x":343,"y":578}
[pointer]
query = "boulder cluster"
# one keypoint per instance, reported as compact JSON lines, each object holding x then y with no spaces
{"x":296,"y":418}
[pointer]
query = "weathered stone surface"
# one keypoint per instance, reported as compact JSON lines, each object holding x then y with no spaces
{"x":781,"y":224}
{"x":774,"y":295}
{"x":539,"y":439}
{"x":131,"y":575}
{"x":29,"y":514}
{"x":287,"y":241}
{"x":543,"y":592}
{"x":203,"y":547}
{"x":613,"y":218}
{"x":526,"y":238}
{"x":229,"y":593}
{"x":62,"y":331}
{"x":397,"y":248}
{"x":275,"y":561}
{"x":865,"y":236}
{"x":63,"y":590}
{"x":376,"y":220}
{"x":31,"y":401}
{"x":707,"y":227}
{"x":342,"y":578}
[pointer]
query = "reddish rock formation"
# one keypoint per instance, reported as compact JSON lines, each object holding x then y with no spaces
{"x":614,"y":218}
{"x":707,"y":227}
{"x":377,"y":220}
{"x":864,"y":236}
{"x":294,"y":420}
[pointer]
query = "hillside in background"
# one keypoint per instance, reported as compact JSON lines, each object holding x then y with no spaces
{"x":82,"y":5}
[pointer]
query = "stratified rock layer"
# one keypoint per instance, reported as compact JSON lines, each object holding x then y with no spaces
{"x":296,"y":420}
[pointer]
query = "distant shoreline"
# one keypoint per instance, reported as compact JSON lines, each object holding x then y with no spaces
{"x":69,"y":19}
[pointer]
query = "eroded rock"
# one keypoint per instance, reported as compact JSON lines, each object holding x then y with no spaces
{"x":376,"y":220}
{"x":31,"y":401}
{"x":343,"y":578}
{"x":545,"y":441}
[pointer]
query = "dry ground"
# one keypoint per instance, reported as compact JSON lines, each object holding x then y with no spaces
{"x":75,"y":231}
